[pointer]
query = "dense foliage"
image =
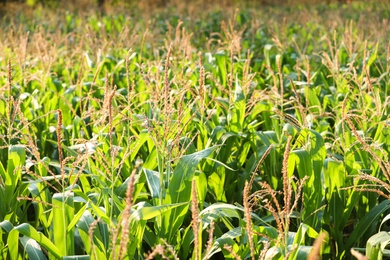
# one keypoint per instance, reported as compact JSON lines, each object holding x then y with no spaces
{"x":195,"y":131}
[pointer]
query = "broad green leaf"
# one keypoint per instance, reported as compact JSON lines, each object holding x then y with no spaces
{"x":314,"y":102}
{"x":136,"y":146}
{"x":99,"y":212}
{"x":149,"y":212}
{"x":366,"y":222}
{"x":214,"y":182}
{"x":63,"y":214}
{"x":183,"y":174}
{"x":302,"y":252}
{"x":6,"y":225}
{"x":179,"y":190}
{"x":225,"y":239}
{"x":373,"y":56}
{"x":236,"y":117}
{"x":32,"y":248}
{"x":299,"y":239}
{"x":384,"y":220}
{"x":218,"y":210}
{"x":106,"y":236}
{"x":300,"y":159}
{"x":377,"y":244}
{"x":77,"y":257}
{"x":95,"y":245}
{"x":273,"y":253}
{"x":29,"y":231}
{"x":221,"y":60}
{"x":201,"y":187}
{"x":75,"y":219}
{"x":71,"y":151}
{"x":13,"y":242}
{"x":3,"y":173}
{"x":334,"y":174}
{"x":153,"y":179}
{"x":90,"y":62}
{"x":304,"y":230}
{"x":16,"y":159}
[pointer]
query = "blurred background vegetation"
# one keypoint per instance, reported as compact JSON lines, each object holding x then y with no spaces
{"x":161,"y":3}
{"x":149,"y":7}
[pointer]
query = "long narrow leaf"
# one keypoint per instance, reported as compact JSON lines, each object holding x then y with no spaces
{"x":34,"y":251}
{"x":63,"y":214}
{"x":366,"y":222}
{"x":31,"y":232}
{"x":179,"y":190}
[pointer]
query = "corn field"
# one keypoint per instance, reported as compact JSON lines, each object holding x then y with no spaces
{"x":195,"y":131}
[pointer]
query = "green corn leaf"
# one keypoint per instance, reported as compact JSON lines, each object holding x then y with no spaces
{"x":366,"y":222}
{"x":238,"y":92}
{"x":77,"y":257}
{"x":16,"y":159}
{"x":96,"y":245}
{"x":314,"y":102}
{"x":6,"y":225}
{"x":221,"y":60}
{"x":236,"y":117}
{"x":63,"y":214}
{"x":218,"y":210}
{"x":183,"y":174}
{"x":142,"y":138}
{"x":71,"y":151}
{"x":214,"y":182}
{"x":225,"y":239}
{"x":75,"y":219}
{"x":3,"y":173}
{"x":31,"y":232}
{"x":376,"y":245}
{"x":98,"y":211}
{"x":13,"y":242}
{"x":304,"y":230}
{"x":105,"y":233}
{"x":153,"y":179}
{"x":201,"y":187}
{"x":90,"y":62}
{"x":299,"y":239}
{"x":32,"y":248}
{"x":302,"y":252}
{"x":334,"y":174}
{"x":179,"y":191}
{"x":149,"y":212}
{"x":373,"y":56}
{"x":384,"y":220}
